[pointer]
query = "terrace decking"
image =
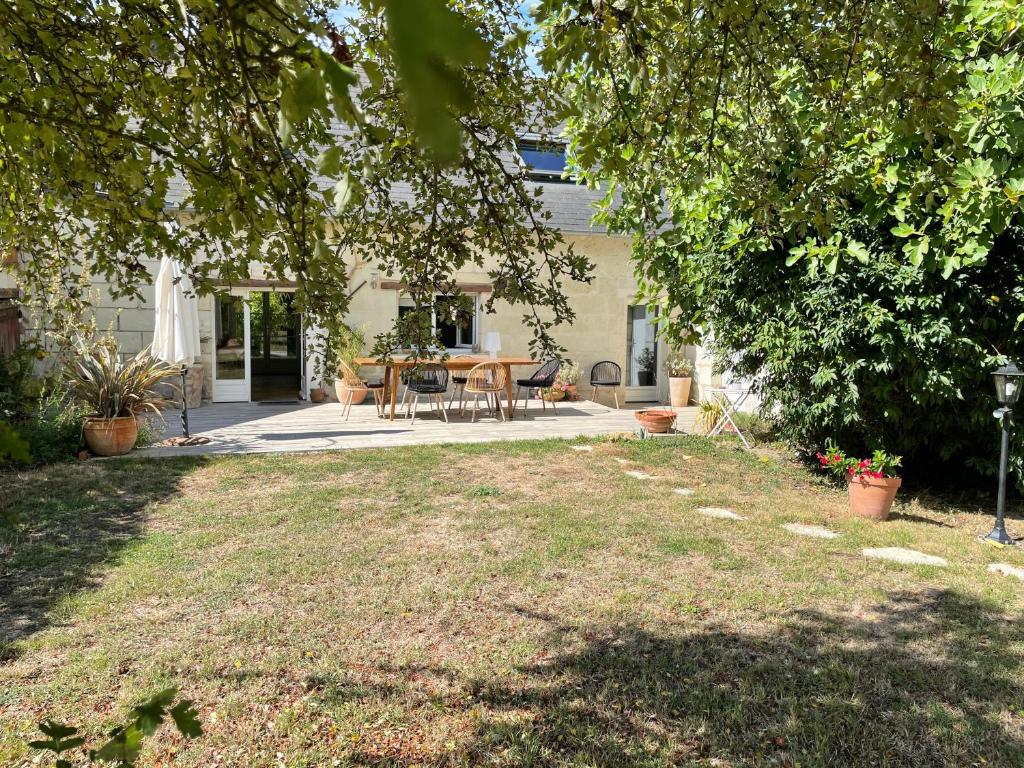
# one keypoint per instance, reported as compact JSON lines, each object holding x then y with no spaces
{"x":268,"y":428}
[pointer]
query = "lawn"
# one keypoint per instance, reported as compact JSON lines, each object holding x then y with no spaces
{"x":508,"y":605}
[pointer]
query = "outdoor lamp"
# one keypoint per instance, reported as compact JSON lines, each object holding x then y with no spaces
{"x":492,"y":343}
{"x":1008,"y":383}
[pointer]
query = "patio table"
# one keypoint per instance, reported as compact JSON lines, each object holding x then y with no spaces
{"x":392,"y":368}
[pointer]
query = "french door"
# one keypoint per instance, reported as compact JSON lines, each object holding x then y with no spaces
{"x":641,"y":355}
{"x":232,"y":364}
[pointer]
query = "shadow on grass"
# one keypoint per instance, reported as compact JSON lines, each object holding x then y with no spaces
{"x":924,"y":679}
{"x":70,"y":520}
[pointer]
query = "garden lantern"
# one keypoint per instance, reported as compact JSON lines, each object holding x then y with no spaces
{"x":1008,"y":383}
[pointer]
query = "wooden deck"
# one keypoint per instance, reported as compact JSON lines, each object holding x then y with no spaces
{"x":256,"y":428}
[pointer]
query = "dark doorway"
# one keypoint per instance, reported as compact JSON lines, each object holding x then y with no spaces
{"x":275,"y":346}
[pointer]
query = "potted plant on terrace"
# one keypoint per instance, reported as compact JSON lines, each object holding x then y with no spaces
{"x":115,"y":392}
{"x":350,"y":344}
{"x":680,"y":378}
{"x":871,"y":483}
{"x":564,"y":385}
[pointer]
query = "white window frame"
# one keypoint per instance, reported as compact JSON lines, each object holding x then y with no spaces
{"x":404,"y":300}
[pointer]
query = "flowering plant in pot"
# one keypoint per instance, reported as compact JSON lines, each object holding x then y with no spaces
{"x":871,"y":483}
{"x":349,"y":346}
{"x":565,"y":380}
{"x":115,"y":392}
{"x":680,"y":378}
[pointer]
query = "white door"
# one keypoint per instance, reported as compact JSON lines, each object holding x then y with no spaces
{"x":641,"y":356}
{"x":232,"y":368}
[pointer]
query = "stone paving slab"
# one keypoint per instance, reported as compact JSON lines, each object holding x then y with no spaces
{"x":906,"y":556}
{"x":720,"y":513}
{"x":1005,"y":569}
{"x":814,"y":531}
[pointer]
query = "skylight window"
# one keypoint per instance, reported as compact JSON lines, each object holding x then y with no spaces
{"x":544,"y":161}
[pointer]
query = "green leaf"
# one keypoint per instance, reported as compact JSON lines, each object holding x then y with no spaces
{"x":14,"y":447}
{"x":342,"y":193}
{"x":329,"y":161}
{"x":303,"y":94}
{"x":858,"y":250}
{"x":903,"y":230}
{"x":123,"y":747}
{"x":149,"y":714}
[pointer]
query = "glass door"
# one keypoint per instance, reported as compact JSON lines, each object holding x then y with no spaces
{"x":231,"y":368}
{"x":641,"y":355}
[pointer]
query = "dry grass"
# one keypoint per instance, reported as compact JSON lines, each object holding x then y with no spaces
{"x":516,"y":604}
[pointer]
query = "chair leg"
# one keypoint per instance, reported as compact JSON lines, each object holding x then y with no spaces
{"x":441,"y":408}
{"x":497,"y":401}
{"x":615,"y":391}
{"x":476,"y":401}
{"x":347,"y":406}
{"x":415,"y":404}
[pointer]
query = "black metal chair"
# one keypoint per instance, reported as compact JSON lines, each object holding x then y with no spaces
{"x":606,"y":374}
{"x":430,"y":379}
{"x":542,"y":378}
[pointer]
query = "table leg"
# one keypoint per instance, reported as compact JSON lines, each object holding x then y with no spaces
{"x":508,"y":392}
{"x":394,"y":388}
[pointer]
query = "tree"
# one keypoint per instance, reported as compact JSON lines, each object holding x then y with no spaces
{"x":833,"y":189}
{"x":253,"y":115}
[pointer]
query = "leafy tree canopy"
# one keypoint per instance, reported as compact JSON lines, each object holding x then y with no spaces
{"x":834,"y":189}
{"x":252,"y":115}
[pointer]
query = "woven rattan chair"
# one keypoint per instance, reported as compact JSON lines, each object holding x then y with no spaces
{"x":542,"y":378}
{"x":458,"y":383}
{"x":487,"y":379}
{"x":430,"y":379}
{"x":606,"y":374}
{"x":355,"y":384}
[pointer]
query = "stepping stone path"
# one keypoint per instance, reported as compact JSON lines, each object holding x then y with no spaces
{"x":685,"y":491}
{"x":639,"y":475}
{"x":622,"y":461}
{"x":583,"y":448}
{"x":720,"y":513}
{"x":814,"y":531}
{"x":908,"y":556}
{"x":1005,"y":569}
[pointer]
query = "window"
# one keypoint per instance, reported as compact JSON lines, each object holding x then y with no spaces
{"x":454,"y":325}
{"x":545,"y":161}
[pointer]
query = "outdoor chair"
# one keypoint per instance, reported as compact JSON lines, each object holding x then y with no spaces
{"x":542,"y":378}
{"x":430,"y":379}
{"x":353,"y":384}
{"x":487,"y":379}
{"x":458,"y":383}
{"x":606,"y":374}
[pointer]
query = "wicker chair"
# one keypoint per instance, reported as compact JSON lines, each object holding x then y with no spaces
{"x":458,"y":383}
{"x":487,"y":379}
{"x":355,"y":384}
{"x":606,"y":374}
{"x":430,"y":379}
{"x":542,"y":378}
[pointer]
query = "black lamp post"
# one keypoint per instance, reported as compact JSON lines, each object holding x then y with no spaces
{"x":1008,"y":385}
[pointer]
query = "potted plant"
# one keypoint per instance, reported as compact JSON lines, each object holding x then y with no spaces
{"x":566,"y":379}
{"x":552,"y":394}
{"x":115,"y":392}
{"x":646,"y":366}
{"x":871,"y":483}
{"x":680,"y":379}
{"x":349,"y":347}
{"x":656,"y":420}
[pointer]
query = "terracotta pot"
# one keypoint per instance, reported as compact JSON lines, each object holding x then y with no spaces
{"x":554,"y":395}
{"x":317,"y":395}
{"x":572,"y":393}
{"x":111,"y":437}
{"x":656,"y":420}
{"x":358,"y":393}
{"x":679,"y":390}
{"x":872,"y":497}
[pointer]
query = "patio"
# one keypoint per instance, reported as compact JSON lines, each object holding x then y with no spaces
{"x":272,"y":427}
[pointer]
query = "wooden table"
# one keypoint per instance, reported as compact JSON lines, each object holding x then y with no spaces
{"x":393,"y":367}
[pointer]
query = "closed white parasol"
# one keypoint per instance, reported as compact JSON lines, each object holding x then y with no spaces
{"x":176,"y":333}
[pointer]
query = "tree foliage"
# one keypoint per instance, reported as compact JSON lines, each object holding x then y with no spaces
{"x":252,"y":116}
{"x":834,"y":189}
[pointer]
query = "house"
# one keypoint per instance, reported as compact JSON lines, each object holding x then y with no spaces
{"x":256,"y":347}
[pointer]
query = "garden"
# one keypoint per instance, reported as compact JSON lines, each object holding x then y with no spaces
{"x":711,"y":606}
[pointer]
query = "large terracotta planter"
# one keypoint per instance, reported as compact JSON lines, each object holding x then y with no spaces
{"x":111,"y":437}
{"x":656,"y":420}
{"x":679,"y":391}
{"x":341,"y":390}
{"x":872,"y":497}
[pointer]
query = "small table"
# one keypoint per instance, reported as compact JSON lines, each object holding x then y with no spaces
{"x":730,"y":398}
{"x":391,"y":370}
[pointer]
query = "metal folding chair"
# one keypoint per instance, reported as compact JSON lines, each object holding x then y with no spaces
{"x":730,"y":398}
